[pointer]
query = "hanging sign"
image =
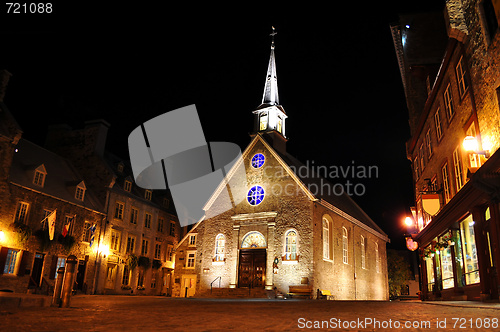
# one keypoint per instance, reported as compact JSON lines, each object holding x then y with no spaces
{"x":430,"y":203}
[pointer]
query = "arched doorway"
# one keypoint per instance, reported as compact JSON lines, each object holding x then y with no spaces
{"x":252,"y":266}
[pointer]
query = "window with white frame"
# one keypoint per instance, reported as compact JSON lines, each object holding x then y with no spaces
{"x":115,"y":240}
{"x":39,"y":178}
{"x":457,"y":163}
{"x":422,"y":157}
{"x":439,"y":126}
{"x":291,"y":245}
{"x":345,"y":245}
{"x":134,"y":213}
{"x":220,"y":244}
{"x":191,"y":259}
{"x":461,"y":80}
{"x":144,"y":248}
{"x":446,"y":183}
{"x":119,"y":207}
{"x":428,"y":142}
{"x":10,"y":261}
{"x":80,"y":191}
{"x":147,"y":220}
{"x":130,"y":244}
{"x":86,"y":231}
{"x":126,"y":276}
{"x":169,"y":255}
{"x":192,"y":240}
{"x":363,"y":252}
{"x":448,"y":102}
{"x":21,"y":212}
{"x":158,"y":251}
{"x":326,"y":239}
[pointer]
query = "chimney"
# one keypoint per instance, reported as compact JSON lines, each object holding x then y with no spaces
{"x":99,"y":129}
{"x":4,"y":81}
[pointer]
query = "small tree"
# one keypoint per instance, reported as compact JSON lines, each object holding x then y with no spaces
{"x":398,"y":271}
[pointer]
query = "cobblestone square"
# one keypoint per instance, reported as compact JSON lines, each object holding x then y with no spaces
{"x":134,"y":313}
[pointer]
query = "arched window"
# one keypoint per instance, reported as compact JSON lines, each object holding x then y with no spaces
{"x":326,"y":239}
{"x":291,"y":246}
{"x":220,"y":243}
{"x":344,"y":245}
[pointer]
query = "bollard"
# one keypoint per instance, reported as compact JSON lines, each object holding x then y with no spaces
{"x":68,"y":281}
{"x":56,"y":299}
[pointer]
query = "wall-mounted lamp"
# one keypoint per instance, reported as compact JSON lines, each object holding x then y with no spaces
{"x":470,"y":145}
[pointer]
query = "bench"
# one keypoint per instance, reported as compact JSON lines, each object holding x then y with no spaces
{"x":324,"y":294}
{"x":302,"y":290}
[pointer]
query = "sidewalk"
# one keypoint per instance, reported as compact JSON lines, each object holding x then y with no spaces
{"x":465,"y":304}
{"x":10,"y":300}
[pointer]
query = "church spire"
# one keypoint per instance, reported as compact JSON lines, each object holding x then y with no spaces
{"x":270,"y":96}
{"x":270,"y":116}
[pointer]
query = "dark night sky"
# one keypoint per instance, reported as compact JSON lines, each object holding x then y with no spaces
{"x":337,"y":72}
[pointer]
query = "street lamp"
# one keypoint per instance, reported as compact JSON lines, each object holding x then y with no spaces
{"x":470,"y":144}
{"x":408,"y":221}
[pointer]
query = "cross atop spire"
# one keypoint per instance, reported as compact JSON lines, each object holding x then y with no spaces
{"x":270,"y":96}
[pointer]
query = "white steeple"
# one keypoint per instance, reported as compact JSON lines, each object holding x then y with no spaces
{"x":270,"y":115}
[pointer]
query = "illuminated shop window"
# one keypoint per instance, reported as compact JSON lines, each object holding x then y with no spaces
{"x":258,"y":160}
{"x":447,"y":268}
{"x":255,"y":195}
{"x":469,"y":251}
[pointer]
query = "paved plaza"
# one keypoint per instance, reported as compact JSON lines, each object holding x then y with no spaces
{"x":136,"y":313}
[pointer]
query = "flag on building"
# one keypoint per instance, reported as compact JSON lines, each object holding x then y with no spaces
{"x":67,"y":226}
{"x":92,"y":231}
{"x":51,"y":222}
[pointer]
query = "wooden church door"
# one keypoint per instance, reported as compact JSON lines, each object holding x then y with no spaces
{"x":252,"y":268}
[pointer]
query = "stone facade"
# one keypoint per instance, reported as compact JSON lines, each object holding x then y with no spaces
{"x":288,"y":205}
{"x":459,"y":239}
{"x":141,"y":225}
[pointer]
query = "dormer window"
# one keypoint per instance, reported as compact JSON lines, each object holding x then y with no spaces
{"x":127,"y":186}
{"x":120,"y":168}
{"x":148,"y":195}
{"x":39,"y":178}
{"x":80,"y":191}
{"x":166,"y":202}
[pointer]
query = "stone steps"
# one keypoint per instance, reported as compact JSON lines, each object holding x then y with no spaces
{"x":236,"y":293}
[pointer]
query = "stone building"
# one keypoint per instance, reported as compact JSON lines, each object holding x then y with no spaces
{"x":141,"y":228}
{"x":290,"y":230}
{"x":34,"y":184}
{"x":452,"y":88}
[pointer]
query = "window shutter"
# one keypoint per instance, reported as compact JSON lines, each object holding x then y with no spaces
{"x":3,"y":258}
{"x":24,"y":263}
{"x":53,"y":265}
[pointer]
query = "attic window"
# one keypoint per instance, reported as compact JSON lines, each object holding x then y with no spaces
{"x":80,"y":191}
{"x":128,"y":186}
{"x":39,"y":178}
{"x":120,"y":167}
{"x":148,"y":195}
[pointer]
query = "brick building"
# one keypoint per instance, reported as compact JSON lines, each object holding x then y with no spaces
{"x":34,"y":184}
{"x":290,"y":230}
{"x":141,"y":227}
{"x":450,"y":67}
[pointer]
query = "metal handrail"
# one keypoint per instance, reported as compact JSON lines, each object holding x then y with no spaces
{"x":219,"y":277}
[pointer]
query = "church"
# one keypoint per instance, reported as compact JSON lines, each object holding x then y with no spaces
{"x":290,"y":234}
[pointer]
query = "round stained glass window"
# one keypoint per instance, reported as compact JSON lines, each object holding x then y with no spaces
{"x":258,"y":160}
{"x":255,"y":195}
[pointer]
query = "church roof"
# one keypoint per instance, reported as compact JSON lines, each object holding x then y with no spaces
{"x":343,"y":202}
{"x":61,"y":177}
